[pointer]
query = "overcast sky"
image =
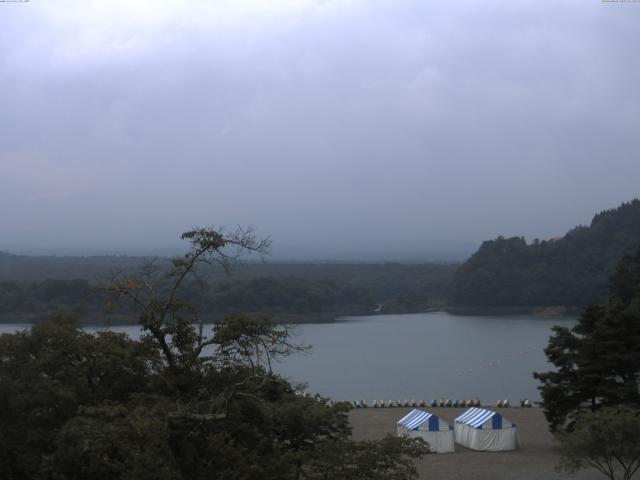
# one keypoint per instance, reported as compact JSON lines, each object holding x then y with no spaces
{"x":341,"y":128}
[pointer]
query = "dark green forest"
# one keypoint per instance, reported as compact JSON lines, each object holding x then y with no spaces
{"x":571,"y":271}
{"x":591,"y":396}
{"x":31,"y":288}
{"x":181,"y":403}
{"x":598,"y":359}
{"x":506,"y":274}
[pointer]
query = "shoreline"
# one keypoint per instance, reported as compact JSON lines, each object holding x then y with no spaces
{"x":557,"y":311}
{"x":125,"y":320}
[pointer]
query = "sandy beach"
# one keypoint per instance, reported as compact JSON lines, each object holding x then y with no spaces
{"x":536,"y":460}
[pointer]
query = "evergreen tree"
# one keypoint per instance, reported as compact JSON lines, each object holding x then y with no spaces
{"x":571,"y":271}
{"x":598,"y":360}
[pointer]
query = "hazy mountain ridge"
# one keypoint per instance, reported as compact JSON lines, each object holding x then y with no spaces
{"x":505,"y":273}
{"x":37,"y":268}
{"x":571,"y":271}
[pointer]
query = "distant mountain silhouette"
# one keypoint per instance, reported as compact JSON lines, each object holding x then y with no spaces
{"x":570,"y":271}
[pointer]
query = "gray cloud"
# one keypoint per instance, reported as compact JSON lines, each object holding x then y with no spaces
{"x":398,"y":129}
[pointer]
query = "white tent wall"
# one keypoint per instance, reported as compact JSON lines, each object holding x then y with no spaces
{"x":487,"y":440}
{"x":493,"y":433}
{"x":439,"y":442}
{"x":436,"y":433}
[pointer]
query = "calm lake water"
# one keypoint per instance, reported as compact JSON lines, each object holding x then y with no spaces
{"x":421,"y":356}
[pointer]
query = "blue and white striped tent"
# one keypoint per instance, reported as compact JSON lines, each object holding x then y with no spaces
{"x":481,"y":429}
{"x":429,"y":427}
{"x":476,"y":417}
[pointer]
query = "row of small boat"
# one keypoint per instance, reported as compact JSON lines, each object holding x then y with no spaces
{"x":434,"y":403}
{"x":417,"y":403}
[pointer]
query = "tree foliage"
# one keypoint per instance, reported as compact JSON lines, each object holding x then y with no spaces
{"x":290,"y":295}
{"x":388,"y":459}
{"x":181,"y":403}
{"x":49,"y":373}
{"x":607,"y":440}
{"x":35,"y":287}
{"x":570,"y":271}
{"x":598,"y":360}
{"x":291,"y":298}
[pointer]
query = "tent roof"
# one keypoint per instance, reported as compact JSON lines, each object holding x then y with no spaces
{"x":474,"y":417}
{"x":415,"y":418}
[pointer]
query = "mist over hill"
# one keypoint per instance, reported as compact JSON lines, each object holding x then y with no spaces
{"x":567,"y":272}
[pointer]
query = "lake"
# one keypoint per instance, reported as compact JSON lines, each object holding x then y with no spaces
{"x":420,"y":356}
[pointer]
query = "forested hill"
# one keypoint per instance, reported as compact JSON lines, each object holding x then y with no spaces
{"x":37,"y":268}
{"x":571,"y":271}
{"x":31,"y":288}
